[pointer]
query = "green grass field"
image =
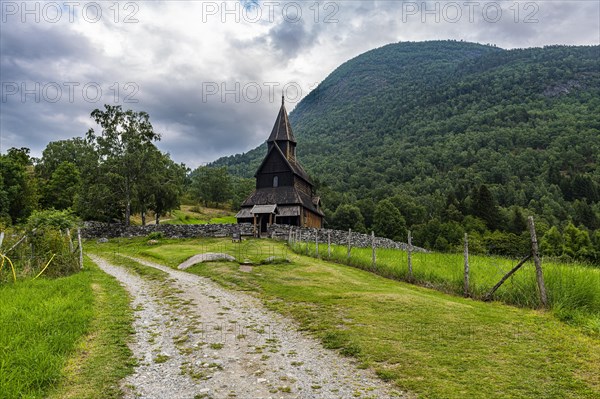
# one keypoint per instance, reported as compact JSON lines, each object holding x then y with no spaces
{"x":65,"y":337}
{"x":573,"y":289}
{"x":429,"y":343}
{"x":199,"y":215}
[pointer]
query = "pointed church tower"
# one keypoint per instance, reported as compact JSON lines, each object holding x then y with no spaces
{"x":282,"y":134}
{"x":284,"y":192}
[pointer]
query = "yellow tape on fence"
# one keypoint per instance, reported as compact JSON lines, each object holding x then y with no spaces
{"x":44,"y":269}
{"x":4,"y":257}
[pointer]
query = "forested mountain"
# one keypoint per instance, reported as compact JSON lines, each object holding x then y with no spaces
{"x":435,"y":123}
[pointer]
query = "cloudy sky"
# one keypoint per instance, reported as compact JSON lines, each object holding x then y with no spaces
{"x":211,"y":74}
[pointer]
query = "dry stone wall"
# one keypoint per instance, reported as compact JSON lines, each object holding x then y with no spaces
{"x":282,"y":232}
{"x":277,"y":232}
{"x":111,"y":230}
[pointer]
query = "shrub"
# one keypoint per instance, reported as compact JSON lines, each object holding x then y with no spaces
{"x":33,"y":253}
{"x":60,"y":220}
{"x":155,"y":235}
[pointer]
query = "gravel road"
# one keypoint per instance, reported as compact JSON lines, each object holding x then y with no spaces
{"x":195,"y":339}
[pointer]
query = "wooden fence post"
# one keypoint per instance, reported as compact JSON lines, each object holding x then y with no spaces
{"x":329,"y":244}
{"x":306,"y":242}
{"x":538,"y":263}
{"x":349,"y":238}
{"x":409,"y":252}
{"x":373,"y":262}
{"x":1,"y":239}
{"x":466,"y":277}
{"x":505,"y":277}
{"x":80,"y":248}
{"x":317,"y":243}
{"x":70,"y":240}
{"x":290,"y":237}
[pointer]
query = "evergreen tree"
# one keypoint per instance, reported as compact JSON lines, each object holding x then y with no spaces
{"x":485,"y":207}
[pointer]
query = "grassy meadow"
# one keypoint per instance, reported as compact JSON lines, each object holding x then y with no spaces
{"x":200,"y":215}
{"x":64,"y":337}
{"x":573,"y":289}
{"x":426,"y":342}
{"x":190,"y":214}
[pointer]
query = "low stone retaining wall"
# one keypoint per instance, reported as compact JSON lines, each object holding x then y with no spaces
{"x":276,"y":231}
{"x":110,"y":230}
{"x":282,"y":232}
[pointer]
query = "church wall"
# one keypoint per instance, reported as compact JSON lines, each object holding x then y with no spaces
{"x":265,"y":180}
{"x":312,"y":219}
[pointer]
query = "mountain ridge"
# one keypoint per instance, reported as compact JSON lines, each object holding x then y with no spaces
{"x":440,"y":118}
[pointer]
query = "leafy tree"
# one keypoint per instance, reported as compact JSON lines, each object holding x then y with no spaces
{"x":76,"y":151}
{"x":388,"y":222}
{"x":508,"y":244}
{"x":211,"y":185}
{"x":125,"y":146}
{"x":412,"y":212}
{"x":367,"y":209}
{"x":18,"y":193}
{"x":241,"y":188}
{"x":346,"y":217}
{"x":61,"y":220}
{"x":60,"y":192}
{"x":585,"y":215}
{"x":577,"y":243}
{"x":169,"y":187}
{"x":452,"y":211}
{"x":552,"y":242}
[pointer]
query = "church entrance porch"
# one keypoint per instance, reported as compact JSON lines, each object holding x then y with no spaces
{"x":264,"y":216}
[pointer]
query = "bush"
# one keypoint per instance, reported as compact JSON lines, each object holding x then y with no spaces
{"x":33,"y":253}
{"x":155,"y":235}
{"x":59,"y":220}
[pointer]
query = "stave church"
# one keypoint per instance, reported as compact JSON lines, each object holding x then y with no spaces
{"x":284,"y":192}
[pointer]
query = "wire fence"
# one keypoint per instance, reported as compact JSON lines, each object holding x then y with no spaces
{"x":25,"y":254}
{"x":568,"y":286}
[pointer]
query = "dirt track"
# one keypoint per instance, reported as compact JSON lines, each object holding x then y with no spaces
{"x":196,"y":339}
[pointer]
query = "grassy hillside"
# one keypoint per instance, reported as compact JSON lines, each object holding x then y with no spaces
{"x":426,"y":342}
{"x":435,"y":120}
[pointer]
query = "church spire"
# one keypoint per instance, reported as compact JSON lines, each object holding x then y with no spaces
{"x":282,"y":130}
{"x":282,"y":134}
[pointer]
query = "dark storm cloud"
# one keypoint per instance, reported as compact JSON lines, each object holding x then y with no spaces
{"x":170,"y":56}
{"x":291,"y":39}
{"x":200,"y":128}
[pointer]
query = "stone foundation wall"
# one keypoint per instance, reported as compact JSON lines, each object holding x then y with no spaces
{"x":282,"y":232}
{"x":109,"y":230}
{"x":277,"y":232}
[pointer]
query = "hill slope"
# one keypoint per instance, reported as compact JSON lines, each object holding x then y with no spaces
{"x":438,"y":119}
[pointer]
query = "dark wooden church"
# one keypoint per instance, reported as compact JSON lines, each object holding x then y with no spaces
{"x":284,"y":193}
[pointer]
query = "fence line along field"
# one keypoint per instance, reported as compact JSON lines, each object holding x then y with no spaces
{"x":573,"y":289}
{"x":424,"y":341}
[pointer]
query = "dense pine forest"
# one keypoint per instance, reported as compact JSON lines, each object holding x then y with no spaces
{"x":446,"y":137}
